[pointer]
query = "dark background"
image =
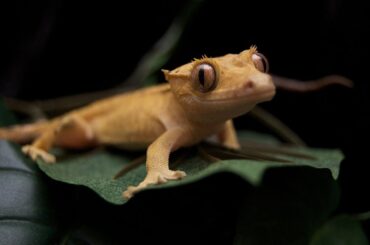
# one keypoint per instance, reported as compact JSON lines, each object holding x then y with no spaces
{"x":55,"y":48}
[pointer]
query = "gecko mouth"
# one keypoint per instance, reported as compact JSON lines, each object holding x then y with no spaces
{"x":245,"y":98}
{"x":255,"y":98}
{"x":245,"y":92}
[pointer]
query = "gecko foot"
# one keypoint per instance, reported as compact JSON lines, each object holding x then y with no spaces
{"x":154,"y":178}
{"x":232,"y":145}
{"x":34,"y":153}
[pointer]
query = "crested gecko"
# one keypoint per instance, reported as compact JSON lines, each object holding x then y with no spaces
{"x":199,"y":101}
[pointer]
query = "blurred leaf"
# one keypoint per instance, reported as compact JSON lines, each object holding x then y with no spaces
{"x":163,"y":49}
{"x":6,"y":118}
{"x":26,"y":214}
{"x":287,"y":207}
{"x":341,"y":230}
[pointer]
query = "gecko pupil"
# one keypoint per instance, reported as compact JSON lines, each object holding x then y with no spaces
{"x":201,"y":76}
{"x":204,"y":75}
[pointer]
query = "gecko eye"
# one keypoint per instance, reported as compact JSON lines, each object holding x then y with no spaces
{"x":261,"y":63}
{"x":205,"y":77}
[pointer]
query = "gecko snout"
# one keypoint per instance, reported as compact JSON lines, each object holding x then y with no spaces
{"x":259,"y":87}
{"x":259,"y":82}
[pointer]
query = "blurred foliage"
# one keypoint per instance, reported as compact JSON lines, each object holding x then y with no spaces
{"x":26,"y":213}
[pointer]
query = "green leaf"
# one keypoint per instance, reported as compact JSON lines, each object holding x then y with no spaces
{"x":341,"y":230}
{"x":284,"y":204}
{"x":95,"y":169}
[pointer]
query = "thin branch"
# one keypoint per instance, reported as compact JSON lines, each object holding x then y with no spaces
{"x":27,"y":108}
{"x":206,"y":156}
{"x":130,"y":166}
{"x":225,"y":153}
{"x":278,"y":149}
{"x":276,"y":125}
{"x":180,"y":158}
{"x":311,"y":85}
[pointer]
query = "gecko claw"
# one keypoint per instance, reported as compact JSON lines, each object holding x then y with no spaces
{"x":129,"y":192}
{"x":34,"y":153}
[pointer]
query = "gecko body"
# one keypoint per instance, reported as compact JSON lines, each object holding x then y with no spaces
{"x":199,"y":101}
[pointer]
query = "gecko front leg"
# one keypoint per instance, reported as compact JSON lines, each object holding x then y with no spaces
{"x":157,"y":164}
{"x":228,"y":136}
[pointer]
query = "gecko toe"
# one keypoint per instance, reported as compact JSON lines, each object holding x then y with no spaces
{"x":34,"y":153}
{"x":132,"y":190}
{"x":180,"y":174}
{"x":128,"y":193}
{"x":173,"y":175}
{"x":153,"y":178}
{"x":161,"y":179}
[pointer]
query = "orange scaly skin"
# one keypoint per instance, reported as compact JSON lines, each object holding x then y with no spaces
{"x":192,"y":107}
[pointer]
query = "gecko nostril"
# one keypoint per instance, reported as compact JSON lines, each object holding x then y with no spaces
{"x":249,"y":85}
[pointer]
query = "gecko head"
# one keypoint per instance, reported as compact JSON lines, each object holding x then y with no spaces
{"x":222,"y":87}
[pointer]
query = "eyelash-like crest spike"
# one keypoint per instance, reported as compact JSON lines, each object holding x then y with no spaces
{"x":253,"y":49}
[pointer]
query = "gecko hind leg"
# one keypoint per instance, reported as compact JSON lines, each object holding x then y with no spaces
{"x":71,"y":131}
{"x":75,"y":133}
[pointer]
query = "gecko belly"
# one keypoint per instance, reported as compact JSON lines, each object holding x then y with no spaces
{"x":134,"y":133}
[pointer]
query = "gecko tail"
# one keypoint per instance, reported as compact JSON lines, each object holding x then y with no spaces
{"x":23,"y":134}
{"x":311,"y":85}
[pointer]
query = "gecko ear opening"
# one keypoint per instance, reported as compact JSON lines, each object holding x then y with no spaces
{"x":166,"y":74}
